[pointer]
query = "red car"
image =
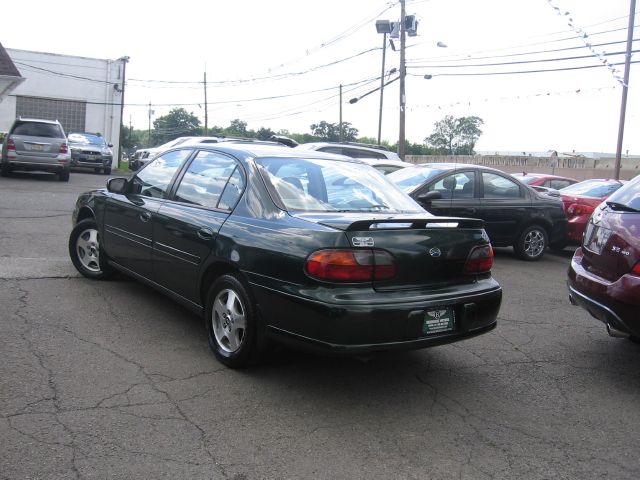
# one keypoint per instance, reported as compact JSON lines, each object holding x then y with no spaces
{"x":604,"y":276}
{"x":545,"y":180}
{"x":581,"y":199}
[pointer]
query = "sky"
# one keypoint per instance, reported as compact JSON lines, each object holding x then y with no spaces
{"x":280,"y":64}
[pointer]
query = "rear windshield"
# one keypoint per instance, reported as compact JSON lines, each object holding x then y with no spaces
{"x":628,"y":195}
{"x":87,"y":139}
{"x":525,"y":178}
{"x":592,"y":188}
{"x":36,"y":129}
{"x":332,"y":185}
{"x":408,"y":179}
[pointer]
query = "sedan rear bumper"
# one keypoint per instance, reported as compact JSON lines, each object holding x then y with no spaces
{"x":353,"y":327}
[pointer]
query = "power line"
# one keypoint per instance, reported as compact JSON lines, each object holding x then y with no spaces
{"x":508,"y":55}
{"x":581,"y":57}
{"x":564,"y":69}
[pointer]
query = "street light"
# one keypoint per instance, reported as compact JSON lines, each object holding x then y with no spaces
{"x":357,"y":99}
{"x":124,"y":61}
{"x":384,"y":27}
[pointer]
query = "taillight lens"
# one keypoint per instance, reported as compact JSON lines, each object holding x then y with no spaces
{"x":636,"y":269}
{"x":480,"y":260}
{"x":64,"y":148}
{"x":351,"y":265}
{"x":576,"y":209}
{"x":11,"y":145}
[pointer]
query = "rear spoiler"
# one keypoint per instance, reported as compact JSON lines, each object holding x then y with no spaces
{"x":409,"y":223}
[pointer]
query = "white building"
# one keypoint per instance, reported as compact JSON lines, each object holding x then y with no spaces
{"x":84,"y":94}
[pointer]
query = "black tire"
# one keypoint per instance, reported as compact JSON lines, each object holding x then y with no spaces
{"x":531,"y":243}
{"x":106,"y":170}
{"x":84,"y":250}
{"x":96,"y":170}
{"x":63,"y":175}
{"x":5,"y":170}
{"x":233,"y":329}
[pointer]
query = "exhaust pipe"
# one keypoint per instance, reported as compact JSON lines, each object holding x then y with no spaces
{"x":614,"y":332}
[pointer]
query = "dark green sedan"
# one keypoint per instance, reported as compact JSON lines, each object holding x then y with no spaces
{"x":268,"y":244}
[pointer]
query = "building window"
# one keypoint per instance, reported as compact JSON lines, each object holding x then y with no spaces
{"x":71,"y":114}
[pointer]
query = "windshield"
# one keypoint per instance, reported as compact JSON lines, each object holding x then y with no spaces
{"x":408,"y":179}
{"x":628,"y":195}
{"x":87,"y":139}
{"x":333,"y":186}
{"x":592,"y":188}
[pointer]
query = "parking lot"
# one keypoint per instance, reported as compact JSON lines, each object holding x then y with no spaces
{"x":113,"y":380}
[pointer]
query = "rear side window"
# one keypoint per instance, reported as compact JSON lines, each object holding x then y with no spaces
{"x":154,"y":179}
{"x":205,"y":179}
{"x":36,"y":129}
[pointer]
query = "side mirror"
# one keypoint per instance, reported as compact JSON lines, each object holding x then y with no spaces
{"x":110,"y":145}
{"x":117,"y":185}
{"x":429,"y":196}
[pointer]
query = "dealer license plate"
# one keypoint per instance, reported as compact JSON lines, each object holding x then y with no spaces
{"x":438,"y":320}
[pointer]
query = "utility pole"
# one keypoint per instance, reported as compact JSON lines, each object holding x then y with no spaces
{"x":403,"y":73}
{"x":384,"y":52}
{"x":149,"y":130}
{"x":625,"y":88}
{"x":340,"y":125}
{"x":206,"y":111}
{"x":124,"y":61}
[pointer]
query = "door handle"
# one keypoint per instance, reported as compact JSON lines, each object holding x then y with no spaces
{"x":205,"y":233}
{"x":145,"y":216}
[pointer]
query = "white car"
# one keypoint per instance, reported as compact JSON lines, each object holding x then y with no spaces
{"x":378,"y":157}
{"x":144,"y":155}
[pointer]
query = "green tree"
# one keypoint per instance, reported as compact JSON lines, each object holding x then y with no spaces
{"x":330,"y":132}
{"x":177,"y":123}
{"x":264,"y":133}
{"x":237,"y":128}
{"x":455,"y":136}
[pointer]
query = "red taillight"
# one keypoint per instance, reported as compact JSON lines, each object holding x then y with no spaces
{"x":480,"y":260}
{"x":636,"y":269}
{"x":11,"y":145}
{"x":64,"y":148}
{"x":351,"y":265}
{"x":576,"y":209}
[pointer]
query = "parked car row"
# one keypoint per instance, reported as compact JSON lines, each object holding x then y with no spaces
{"x":41,"y":145}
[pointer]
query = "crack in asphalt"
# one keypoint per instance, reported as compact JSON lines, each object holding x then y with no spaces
{"x":54,"y":396}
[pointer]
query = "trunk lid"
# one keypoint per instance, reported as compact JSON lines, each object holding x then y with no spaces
{"x":610,"y":248}
{"x":428,"y":251}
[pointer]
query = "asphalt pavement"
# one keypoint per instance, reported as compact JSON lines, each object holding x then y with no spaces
{"x":113,"y":380}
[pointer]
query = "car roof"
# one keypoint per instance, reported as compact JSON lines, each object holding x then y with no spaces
{"x":257,"y":149}
{"x":458,"y":166}
{"x":541,"y":175}
{"x":40,"y":120}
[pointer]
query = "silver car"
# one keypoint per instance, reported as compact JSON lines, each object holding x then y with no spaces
{"x":35,"y":144}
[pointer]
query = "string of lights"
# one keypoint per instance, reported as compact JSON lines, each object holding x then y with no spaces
{"x":584,"y":37}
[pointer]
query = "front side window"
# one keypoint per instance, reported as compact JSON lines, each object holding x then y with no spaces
{"x":497,"y":186}
{"x":205,"y":179}
{"x":456,"y":185}
{"x":155,"y":178}
{"x":330,"y":185}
